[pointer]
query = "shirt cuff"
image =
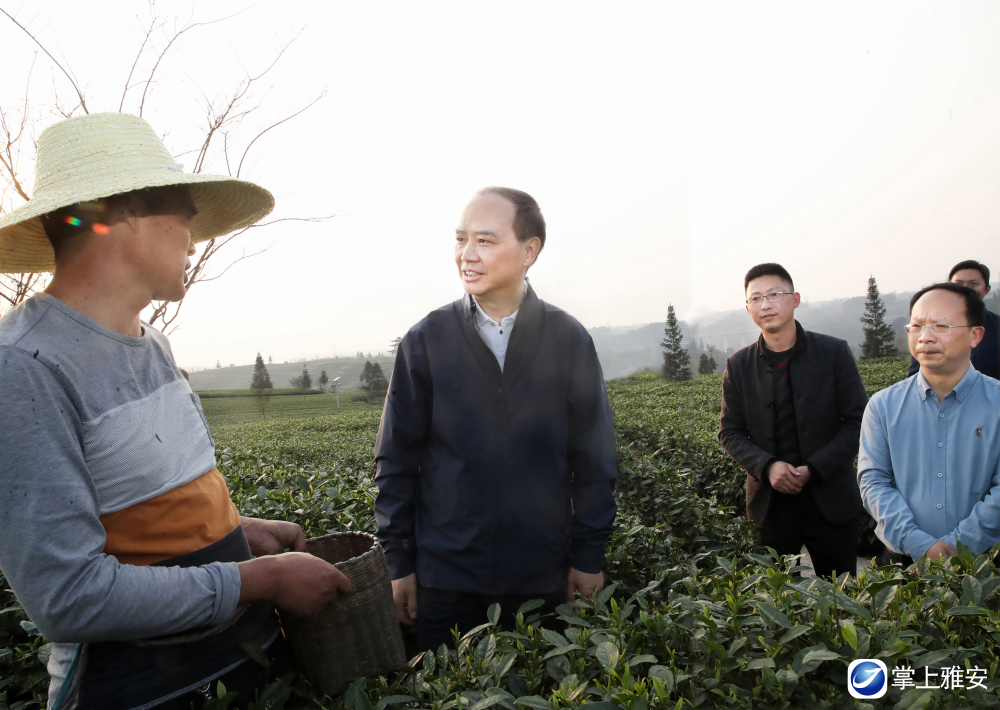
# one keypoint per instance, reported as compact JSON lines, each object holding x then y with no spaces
{"x":401,"y":563}
{"x":917,"y":543}
{"x":588,"y":560}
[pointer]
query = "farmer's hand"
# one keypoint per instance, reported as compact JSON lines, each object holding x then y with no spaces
{"x":293,"y":581}
{"x":583,"y":584}
{"x":784,"y":478}
{"x":941,"y":549}
{"x":272,"y":537}
{"x":404,"y":594}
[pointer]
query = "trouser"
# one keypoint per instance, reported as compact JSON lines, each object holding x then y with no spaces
{"x":249,"y":679}
{"x":888,"y":557}
{"x":795,"y":520}
{"x":440,"y":610}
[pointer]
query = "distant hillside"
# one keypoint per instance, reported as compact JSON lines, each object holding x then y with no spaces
{"x":623,"y":349}
{"x":232,"y":378}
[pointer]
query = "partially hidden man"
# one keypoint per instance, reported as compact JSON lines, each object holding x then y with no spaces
{"x":986,"y":354}
{"x":792,"y":405}
{"x":929,"y":467}
{"x":496,"y":451}
{"x":119,"y":537}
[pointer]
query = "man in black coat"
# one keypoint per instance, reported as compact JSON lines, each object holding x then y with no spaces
{"x":496,"y":451}
{"x":986,"y":355}
{"x":791,"y":416}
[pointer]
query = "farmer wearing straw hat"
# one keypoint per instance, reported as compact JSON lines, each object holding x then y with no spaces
{"x":119,"y":536}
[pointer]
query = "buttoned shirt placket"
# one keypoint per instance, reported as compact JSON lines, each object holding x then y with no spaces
{"x":939,"y":484}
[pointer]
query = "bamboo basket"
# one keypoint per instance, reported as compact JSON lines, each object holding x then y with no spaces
{"x":359,"y":634}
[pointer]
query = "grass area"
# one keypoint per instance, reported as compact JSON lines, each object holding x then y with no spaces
{"x":227,"y":411}
{"x":276,"y":392}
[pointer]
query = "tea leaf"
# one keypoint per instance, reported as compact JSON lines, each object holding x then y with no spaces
{"x":850,"y":634}
{"x":562,"y":650}
{"x":530,"y":605}
{"x":608,"y":655}
{"x":773,"y":614}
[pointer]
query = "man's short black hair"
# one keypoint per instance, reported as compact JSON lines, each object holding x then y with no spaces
{"x":975,"y":309}
{"x":767,"y":270}
{"x":528,"y":220}
{"x":67,"y":227}
{"x":971,"y":264}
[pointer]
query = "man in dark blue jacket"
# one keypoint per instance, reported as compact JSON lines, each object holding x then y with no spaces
{"x":496,"y":451}
{"x":986,"y":355}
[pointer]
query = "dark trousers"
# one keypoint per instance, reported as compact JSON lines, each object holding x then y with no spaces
{"x":795,"y":520}
{"x":439,"y":611}
{"x":888,"y":557}
{"x":249,"y":679}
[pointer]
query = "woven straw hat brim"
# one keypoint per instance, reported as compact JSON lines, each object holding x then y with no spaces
{"x":95,"y":156}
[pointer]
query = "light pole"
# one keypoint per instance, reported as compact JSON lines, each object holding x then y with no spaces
{"x":336,"y":383}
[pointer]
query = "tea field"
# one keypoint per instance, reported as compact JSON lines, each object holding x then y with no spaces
{"x":695,"y":615}
{"x":228,"y":407}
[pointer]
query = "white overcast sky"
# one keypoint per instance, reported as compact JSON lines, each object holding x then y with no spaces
{"x":671,"y":147}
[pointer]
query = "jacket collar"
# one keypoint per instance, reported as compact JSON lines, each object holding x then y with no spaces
{"x":800,"y":344}
{"x":524,"y":338}
{"x":529,"y":305}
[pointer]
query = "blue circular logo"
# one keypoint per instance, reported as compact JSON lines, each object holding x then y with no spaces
{"x":867,"y":678}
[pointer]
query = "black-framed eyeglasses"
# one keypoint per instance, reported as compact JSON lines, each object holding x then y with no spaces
{"x":771,"y":298}
{"x":937,"y":328}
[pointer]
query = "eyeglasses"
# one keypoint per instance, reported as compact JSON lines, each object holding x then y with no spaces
{"x":770,"y":297}
{"x":937,"y":328}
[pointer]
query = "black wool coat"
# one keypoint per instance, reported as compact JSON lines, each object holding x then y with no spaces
{"x":490,"y":481}
{"x":830,"y":402}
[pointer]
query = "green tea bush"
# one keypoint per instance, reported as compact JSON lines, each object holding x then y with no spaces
{"x":24,"y":681}
{"x":694,"y":615}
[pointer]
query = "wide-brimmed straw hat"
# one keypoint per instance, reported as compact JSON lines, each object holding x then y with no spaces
{"x":98,"y":155}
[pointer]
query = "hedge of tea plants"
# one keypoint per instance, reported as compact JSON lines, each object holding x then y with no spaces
{"x":694,"y":615}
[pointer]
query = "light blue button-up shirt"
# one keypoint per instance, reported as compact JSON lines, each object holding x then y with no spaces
{"x":928,"y":471}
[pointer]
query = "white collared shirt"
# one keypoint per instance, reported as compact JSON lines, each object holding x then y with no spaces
{"x":495,"y":335}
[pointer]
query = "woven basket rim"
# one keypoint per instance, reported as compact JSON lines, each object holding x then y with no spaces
{"x":354,"y":561}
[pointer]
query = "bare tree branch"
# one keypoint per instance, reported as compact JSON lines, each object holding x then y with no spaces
{"x":138,"y":56}
{"x":173,"y":39}
{"x":275,"y":125}
{"x":83,"y":103}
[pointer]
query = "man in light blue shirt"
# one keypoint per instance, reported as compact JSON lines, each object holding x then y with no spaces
{"x":930,"y":445}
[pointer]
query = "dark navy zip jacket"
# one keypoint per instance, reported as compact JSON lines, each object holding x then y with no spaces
{"x":496,"y":482}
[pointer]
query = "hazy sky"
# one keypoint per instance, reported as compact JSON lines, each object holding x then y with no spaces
{"x":670,"y":146}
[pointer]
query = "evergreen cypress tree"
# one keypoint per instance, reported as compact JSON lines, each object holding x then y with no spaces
{"x":707,"y":365}
{"x":880,"y":341}
{"x":303,"y":381}
{"x":676,"y":360}
{"x":323,"y":379}
{"x":261,"y":386}
{"x":261,"y":377}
